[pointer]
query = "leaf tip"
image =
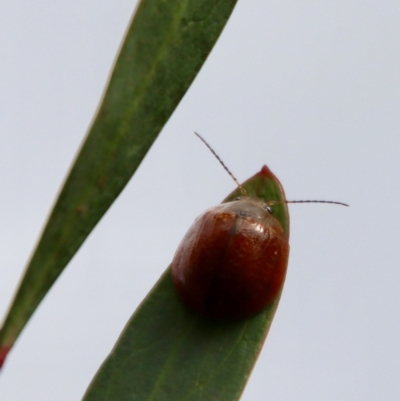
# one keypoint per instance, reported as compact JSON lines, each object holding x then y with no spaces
{"x":265,"y":171}
{"x":3,"y":354}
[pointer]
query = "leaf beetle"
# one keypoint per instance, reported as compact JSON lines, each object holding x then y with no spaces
{"x":232,"y":262}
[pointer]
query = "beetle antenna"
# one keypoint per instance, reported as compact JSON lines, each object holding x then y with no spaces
{"x":308,"y":201}
{"x":242,"y":190}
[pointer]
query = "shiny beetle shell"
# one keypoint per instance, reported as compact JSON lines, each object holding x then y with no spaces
{"x":232,"y":262}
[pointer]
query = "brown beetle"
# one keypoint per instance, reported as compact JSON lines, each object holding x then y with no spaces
{"x":232,"y":262}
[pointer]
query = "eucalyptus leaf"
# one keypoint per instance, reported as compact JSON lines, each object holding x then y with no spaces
{"x":164,"y":48}
{"x":167,"y":352}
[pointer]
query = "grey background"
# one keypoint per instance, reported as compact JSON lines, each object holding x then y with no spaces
{"x":310,"y":88}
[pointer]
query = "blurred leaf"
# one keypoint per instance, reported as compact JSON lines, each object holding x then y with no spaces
{"x":164,"y":48}
{"x":167,"y":352}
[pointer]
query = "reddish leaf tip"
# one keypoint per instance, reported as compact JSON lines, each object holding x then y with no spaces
{"x":265,"y":170}
{"x":3,"y":354}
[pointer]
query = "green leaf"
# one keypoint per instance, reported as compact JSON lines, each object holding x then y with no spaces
{"x":164,"y":48}
{"x":167,"y":352}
